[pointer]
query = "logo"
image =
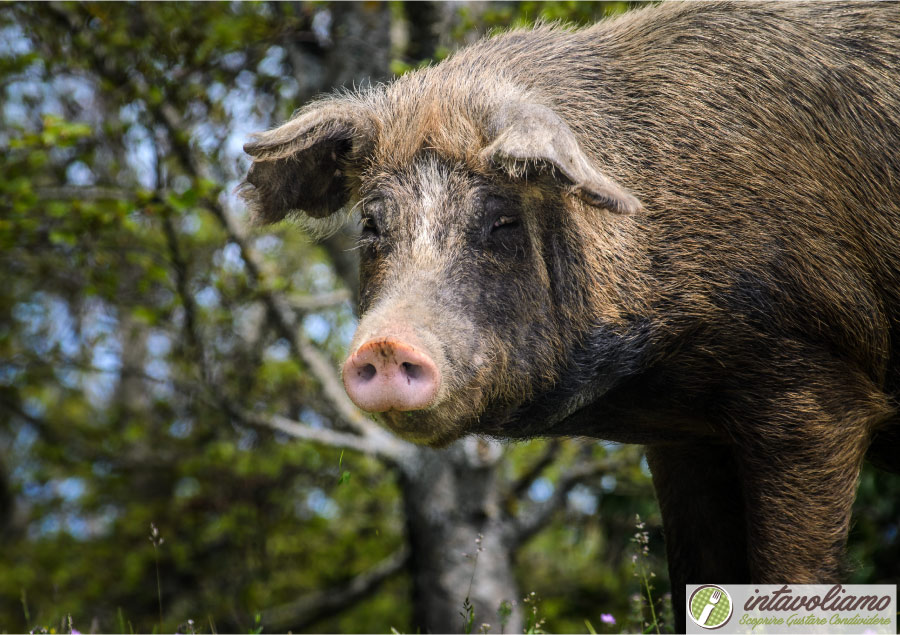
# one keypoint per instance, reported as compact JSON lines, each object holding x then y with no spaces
{"x":801,"y":609}
{"x":711,"y":606}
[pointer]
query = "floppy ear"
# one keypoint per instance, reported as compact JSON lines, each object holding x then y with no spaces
{"x":300,"y":166}
{"x":526,"y":134}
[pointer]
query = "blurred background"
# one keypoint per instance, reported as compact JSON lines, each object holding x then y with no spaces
{"x":176,"y":451}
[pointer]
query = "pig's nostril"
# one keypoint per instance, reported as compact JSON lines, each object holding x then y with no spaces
{"x":412,"y":371}
{"x":390,"y":374}
{"x":366,"y":372}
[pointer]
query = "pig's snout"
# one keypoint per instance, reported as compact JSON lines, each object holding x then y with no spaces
{"x":389,"y":374}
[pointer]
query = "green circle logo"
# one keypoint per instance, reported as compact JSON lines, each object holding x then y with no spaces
{"x":710,"y":606}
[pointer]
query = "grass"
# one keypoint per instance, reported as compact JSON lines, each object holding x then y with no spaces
{"x":157,"y":541}
{"x":644,"y":615}
{"x":642,"y":571}
{"x":468,"y":613}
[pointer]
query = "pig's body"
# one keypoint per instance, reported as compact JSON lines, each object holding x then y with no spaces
{"x":703,"y":257}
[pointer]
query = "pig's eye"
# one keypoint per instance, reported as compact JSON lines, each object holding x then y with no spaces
{"x":502,"y":211}
{"x":369,"y":226}
{"x":371,"y":209}
{"x":505,"y":222}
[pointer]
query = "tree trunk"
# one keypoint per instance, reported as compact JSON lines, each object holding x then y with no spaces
{"x":459,"y":540}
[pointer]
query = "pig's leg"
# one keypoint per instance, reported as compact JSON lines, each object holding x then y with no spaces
{"x":800,"y":459}
{"x":703,"y":517}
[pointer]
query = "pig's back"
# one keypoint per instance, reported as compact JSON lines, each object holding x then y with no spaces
{"x":775,"y":130}
{"x":763,"y":141}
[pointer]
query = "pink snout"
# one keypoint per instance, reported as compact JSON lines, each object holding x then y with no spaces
{"x":389,"y":374}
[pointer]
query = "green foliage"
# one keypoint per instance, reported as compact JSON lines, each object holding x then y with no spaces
{"x":504,"y":611}
{"x":644,"y":573}
{"x":534,"y":625}
{"x":581,"y":565}
{"x":345,"y":474}
{"x":468,"y":615}
{"x":106,"y":423}
{"x":874,"y":547}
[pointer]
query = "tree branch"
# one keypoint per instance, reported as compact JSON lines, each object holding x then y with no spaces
{"x":551,"y":452}
{"x":42,"y":426}
{"x":285,"y":323}
{"x":325,"y":436}
{"x":85,"y":193}
{"x":282,"y":315}
{"x":304,"y":612}
{"x":279,"y":309}
{"x":182,"y":283}
{"x":305,"y":303}
{"x":525,"y":525}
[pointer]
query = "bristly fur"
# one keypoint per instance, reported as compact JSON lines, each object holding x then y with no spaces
{"x":739,"y":309}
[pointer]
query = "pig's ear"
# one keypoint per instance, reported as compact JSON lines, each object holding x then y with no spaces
{"x":301,"y":165}
{"x":527,"y":134}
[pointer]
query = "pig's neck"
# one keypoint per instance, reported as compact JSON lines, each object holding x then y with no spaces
{"x":601,"y":361}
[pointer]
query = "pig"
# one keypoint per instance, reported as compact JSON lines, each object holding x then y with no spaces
{"x":678,"y":228}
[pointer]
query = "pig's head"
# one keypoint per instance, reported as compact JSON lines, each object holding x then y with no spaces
{"x":482,"y":261}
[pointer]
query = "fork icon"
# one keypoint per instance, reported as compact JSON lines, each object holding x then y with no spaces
{"x":713,"y":600}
